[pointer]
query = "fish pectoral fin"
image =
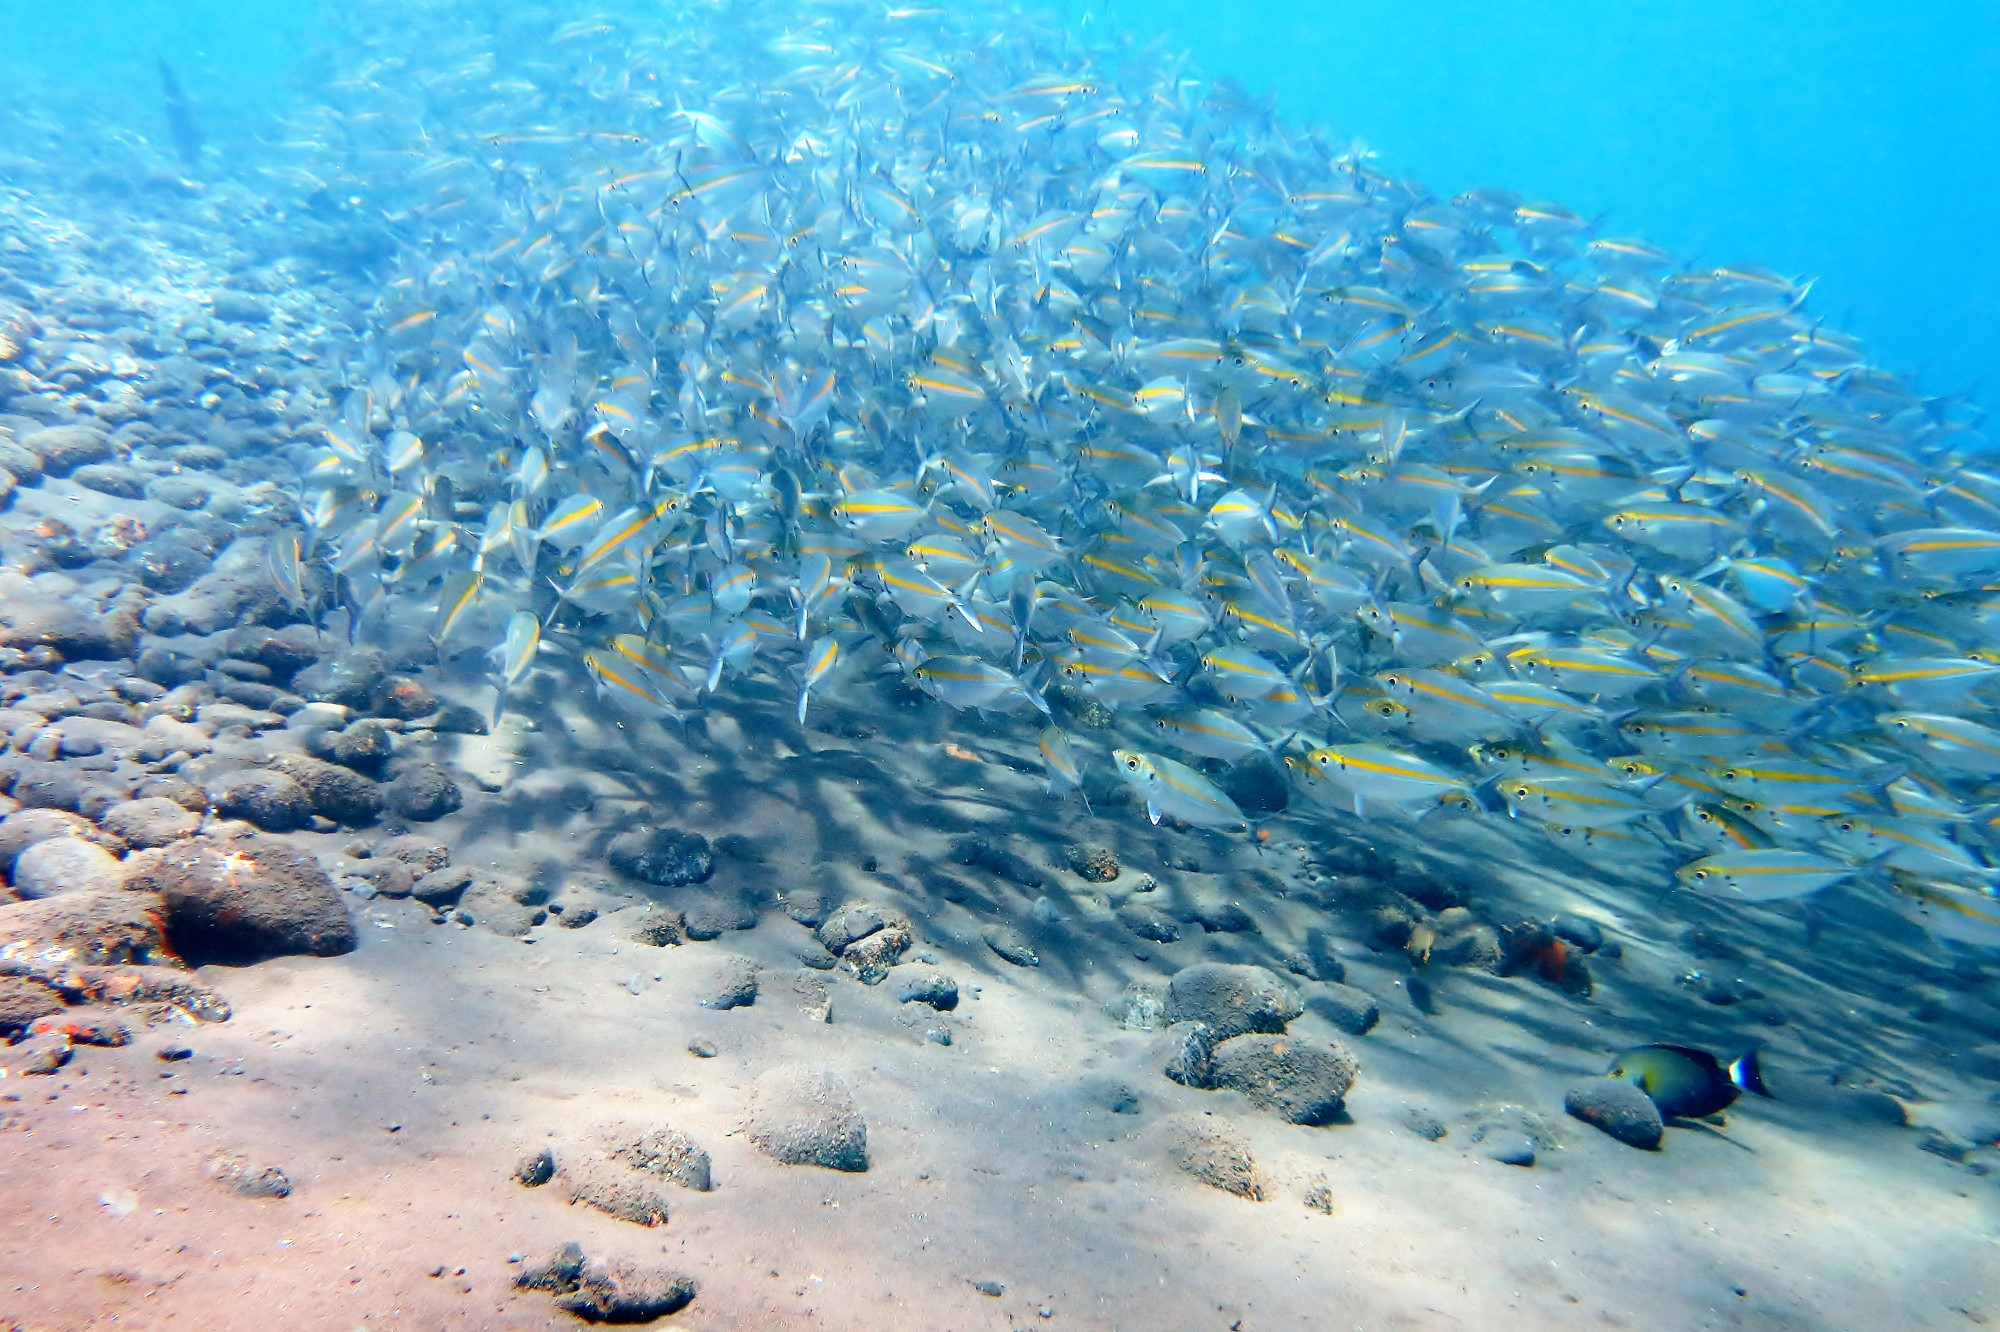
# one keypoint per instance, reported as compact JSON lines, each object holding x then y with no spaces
{"x":1153,"y":812}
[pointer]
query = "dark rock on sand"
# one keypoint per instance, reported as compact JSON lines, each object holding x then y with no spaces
{"x":1353,"y":1011}
{"x":503,"y":903}
{"x":668,"y":1153}
{"x":283,"y":652}
{"x":336,"y":792}
{"x":247,"y":900}
{"x":611,"y":1291}
{"x":806,"y":1116}
{"x":1010,"y":945}
{"x":613,"y":1189}
{"x":712,"y":915}
{"x":61,"y":449}
{"x":423,"y":793}
{"x":49,"y":936}
{"x":1231,"y":999}
{"x":72,"y":632}
{"x":731,"y":984}
{"x":389,"y":878}
{"x":1619,"y":1107}
{"x":934,"y":988}
{"x":1182,"y":1052}
{"x":108,"y":479}
{"x":349,"y":677}
{"x":535,"y":1169}
{"x":457,"y":719}
{"x":1301,"y":1080}
{"x":997,"y":858}
{"x":1149,"y":923}
{"x":132,"y":984}
{"x":658,"y":928}
{"x":1221,"y":918}
{"x":65,"y":865}
{"x":366,"y":747}
{"x":164,"y":666}
{"x":1209,"y":1150}
{"x":248,"y":1179}
{"x":271,"y":800}
{"x":419,"y":853}
{"x":850,"y":924}
{"x":1091,"y":861}
{"x":871,"y":958}
{"x":557,"y":1273}
{"x":665,"y":856}
{"x":150,"y":821}
{"x":22,"y":1000}
{"x":401,"y":697}
{"x":440,"y":887}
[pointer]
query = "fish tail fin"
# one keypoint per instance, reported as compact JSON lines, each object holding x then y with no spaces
{"x":1747,"y":1074}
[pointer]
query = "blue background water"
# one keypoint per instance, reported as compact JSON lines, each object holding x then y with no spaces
{"x":1858,"y":142}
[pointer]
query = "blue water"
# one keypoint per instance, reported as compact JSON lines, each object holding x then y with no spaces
{"x":1852,"y":143}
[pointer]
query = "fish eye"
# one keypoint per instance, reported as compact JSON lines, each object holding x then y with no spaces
{"x":1132,"y":765}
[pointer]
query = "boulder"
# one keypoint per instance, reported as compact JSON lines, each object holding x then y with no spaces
{"x":271,"y":800}
{"x":247,"y":900}
{"x":1301,"y":1080}
{"x":1231,"y":999}
{"x":1620,"y":1108}
{"x":150,"y":821}
{"x":65,"y":865}
{"x":423,"y":793}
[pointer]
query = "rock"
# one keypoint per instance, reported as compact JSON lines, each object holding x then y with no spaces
{"x":366,"y":746}
{"x":711,"y":915}
{"x":1221,"y":918}
{"x":283,"y":652}
{"x":349,"y":677}
{"x":1113,"y":1094}
{"x":1581,"y":931}
{"x":406,"y":699}
{"x":1301,"y":1080}
{"x":419,"y":853}
{"x":179,"y":490}
{"x":1148,"y":922}
{"x":1423,"y":1123}
{"x":109,"y":479}
{"x":849,"y":925}
{"x":1231,"y":999}
{"x":732,"y":984}
{"x":1091,"y":861}
{"x":815,"y":995}
{"x":557,"y":1273}
{"x":72,"y":632}
{"x":164,"y":736}
{"x":1514,"y":1149}
{"x":61,"y":449}
{"x":503,"y":903}
{"x":665,"y":856}
{"x":614,"y":1190}
{"x":336,"y":792}
{"x":992,"y":856}
{"x":271,"y":800}
{"x":1211,"y":1151}
{"x":25,"y":827}
{"x":185,"y":794}
{"x":423,"y":793}
{"x":806,"y":1116}
{"x":148,"y":822}
{"x":22,"y":1000}
{"x":1353,"y":1011}
{"x":457,"y":719}
{"x":934,"y":988}
{"x":871,"y":958}
{"x":624,"y":1292}
{"x":441,"y":887}
{"x":389,"y":878}
{"x":131,"y":984}
{"x":1618,"y":1107}
{"x":658,"y":928}
{"x":246,"y":1179}
{"x":166,"y":667}
{"x":240,"y":307}
{"x":1182,"y":1052}
{"x":65,"y":865}
{"x":535,"y":1169}
{"x":46,"y":937}
{"x":1010,"y":945}
{"x":668,"y":1153}
{"x":247,"y":900}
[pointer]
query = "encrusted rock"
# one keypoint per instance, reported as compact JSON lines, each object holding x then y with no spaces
{"x":807,"y":1116}
{"x":665,"y":856}
{"x":1620,"y":1108}
{"x":1092,"y":861}
{"x":271,"y":800}
{"x":247,"y":900}
{"x":151,"y":821}
{"x":668,"y":1153}
{"x":1301,"y":1080}
{"x":1209,"y":1150}
{"x":336,"y":792}
{"x":423,"y":793}
{"x":732,"y":984}
{"x":1010,"y":945}
{"x":1231,"y":999}
{"x":871,"y":958}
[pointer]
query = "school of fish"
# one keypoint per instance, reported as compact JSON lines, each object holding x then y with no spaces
{"x":821,"y":341}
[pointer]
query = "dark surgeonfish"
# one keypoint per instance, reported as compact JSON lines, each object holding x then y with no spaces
{"x":1686,"y":1083}
{"x":181,"y":126}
